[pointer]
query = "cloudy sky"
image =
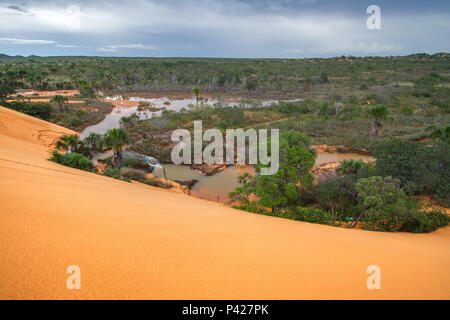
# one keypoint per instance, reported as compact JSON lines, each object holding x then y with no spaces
{"x":222,"y":28}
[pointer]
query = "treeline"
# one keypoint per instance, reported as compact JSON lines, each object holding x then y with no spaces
{"x":251,"y":76}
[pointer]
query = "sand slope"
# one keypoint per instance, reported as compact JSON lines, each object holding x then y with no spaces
{"x":135,"y":241}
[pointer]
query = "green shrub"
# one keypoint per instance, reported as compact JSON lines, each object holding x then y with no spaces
{"x":128,"y":174}
{"x":332,"y":195}
{"x":134,"y":174}
{"x":230,"y":116}
{"x":135,"y":163}
{"x":39,"y":110}
{"x":155,"y":183}
{"x":421,"y":167}
{"x":422,"y":222}
{"x":407,"y":110}
{"x":74,"y":160}
{"x":314,"y":215}
{"x":384,"y":207}
{"x":115,"y":173}
{"x":251,"y":206}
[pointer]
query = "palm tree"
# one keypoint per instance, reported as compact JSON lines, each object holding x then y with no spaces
{"x":117,"y":139}
{"x":197,"y":93}
{"x":68,"y":143}
{"x":60,"y":100}
{"x":378,"y":113}
{"x":94,"y":142}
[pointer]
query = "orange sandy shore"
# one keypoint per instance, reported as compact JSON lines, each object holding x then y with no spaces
{"x":133,"y":241}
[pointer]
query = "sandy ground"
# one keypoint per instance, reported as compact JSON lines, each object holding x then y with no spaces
{"x":122,"y":103}
{"x":66,"y":93}
{"x":136,"y":241}
{"x":47,"y":100}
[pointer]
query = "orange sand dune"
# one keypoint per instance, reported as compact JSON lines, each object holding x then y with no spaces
{"x":136,"y":241}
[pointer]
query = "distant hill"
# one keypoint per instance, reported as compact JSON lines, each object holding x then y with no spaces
{"x":5,"y":56}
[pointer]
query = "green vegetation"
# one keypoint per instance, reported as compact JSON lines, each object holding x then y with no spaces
{"x":75,"y":116}
{"x":74,"y":160}
{"x":378,"y":113}
{"x":384,"y":207}
{"x":60,"y":100}
{"x":281,"y":190}
{"x":253,"y":77}
{"x":421,"y":167}
{"x":196,"y":91}
{"x":355,"y":195}
{"x":116,"y":139}
{"x":39,"y":110}
{"x":77,"y":153}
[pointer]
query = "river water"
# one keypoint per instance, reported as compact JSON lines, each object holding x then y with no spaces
{"x":125,"y":108}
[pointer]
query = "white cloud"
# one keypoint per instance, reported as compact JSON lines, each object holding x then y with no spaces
{"x":113,"y":48}
{"x":66,"y":46}
{"x":24,"y":41}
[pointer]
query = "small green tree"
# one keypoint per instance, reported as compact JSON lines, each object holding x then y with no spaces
{"x":60,"y":100}
{"x":381,"y":203}
{"x":94,"y":142}
{"x":378,"y":113}
{"x":242,"y":194}
{"x":6,"y":89}
{"x":296,"y":160}
{"x":68,"y":143}
{"x":196,"y":91}
{"x":116,"y":139}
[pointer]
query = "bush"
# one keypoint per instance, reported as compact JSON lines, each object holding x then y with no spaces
{"x":384,"y":207}
{"x":314,"y":215}
{"x":407,"y":110}
{"x":135,"y":163}
{"x":115,"y":173}
{"x":73,"y":160}
{"x":421,"y":167}
{"x":422,"y":222}
{"x":337,"y":193}
{"x":155,"y":183}
{"x":230,"y":116}
{"x":330,"y":193}
{"x":251,"y":206}
{"x":134,"y":174}
{"x":291,"y":108}
{"x":39,"y":110}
